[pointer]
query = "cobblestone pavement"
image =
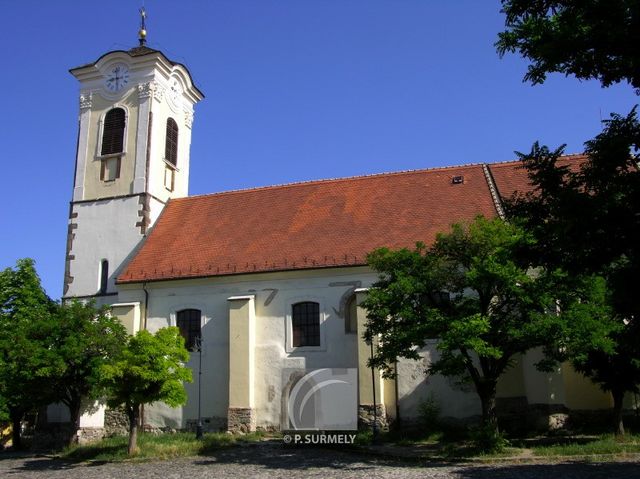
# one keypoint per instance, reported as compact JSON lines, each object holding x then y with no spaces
{"x":273,"y":461}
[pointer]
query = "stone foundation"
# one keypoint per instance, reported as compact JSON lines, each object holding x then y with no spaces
{"x":87,"y":435}
{"x":52,"y":436}
{"x":209,"y":424}
{"x":116,"y":422}
{"x":366,"y":417}
{"x":241,"y":420}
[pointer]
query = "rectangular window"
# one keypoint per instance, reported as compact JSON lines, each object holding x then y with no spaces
{"x":110,"y":169}
{"x":305,"y":324}
{"x":188,"y":321}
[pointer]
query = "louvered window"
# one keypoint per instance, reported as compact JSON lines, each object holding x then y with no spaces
{"x":113,"y":132}
{"x":171,"y":142}
{"x":188,"y":321}
{"x":305,"y":324}
{"x":104,"y":276}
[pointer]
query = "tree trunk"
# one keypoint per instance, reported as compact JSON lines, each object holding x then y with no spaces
{"x":133,"y":413}
{"x":618,"y":424}
{"x":74,"y":413}
{"x":16,"y":426}
{"x":487,"y":393}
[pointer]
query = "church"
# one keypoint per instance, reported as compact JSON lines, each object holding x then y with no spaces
{"x":262,"y":281}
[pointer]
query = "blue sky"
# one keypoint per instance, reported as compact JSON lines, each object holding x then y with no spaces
{"x":295,"y":90}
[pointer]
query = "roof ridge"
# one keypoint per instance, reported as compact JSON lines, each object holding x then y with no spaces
{"x":332,"y":180}
{"x":508,"y":162}
{"x":356,"y":177}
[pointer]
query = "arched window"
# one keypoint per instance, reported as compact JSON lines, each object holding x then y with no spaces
{"x":351,"y":315}
{"x":305,"y":324}
{"x":104,"y":276}
{"x":113,"y":132}
{"x":188,"y":321}
{"x":171,"y":142}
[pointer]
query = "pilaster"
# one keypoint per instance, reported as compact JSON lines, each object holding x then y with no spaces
{"x":241,"y":415}
{"x":370,"y":382}
{"x":143,"y":136}
{"x":83,"y":144}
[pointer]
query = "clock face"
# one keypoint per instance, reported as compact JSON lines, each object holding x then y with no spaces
{"x":175,"y":91}
{"x":117,"y":78}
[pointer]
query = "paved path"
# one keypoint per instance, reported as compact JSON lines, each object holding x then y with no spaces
{"x":273,"y":461}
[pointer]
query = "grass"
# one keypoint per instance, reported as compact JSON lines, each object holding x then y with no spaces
{"x":605,"y":444}
{"x":446,"y":446}
{"x":431,"y":446}
{"x":156,"y":446}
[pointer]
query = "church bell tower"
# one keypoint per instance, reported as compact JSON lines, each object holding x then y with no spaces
{"x":135,"y":121}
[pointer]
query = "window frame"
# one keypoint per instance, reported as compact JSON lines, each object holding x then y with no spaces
{"x":174,"y":151}
{"x":104,"y":158}
{"x":103,"y":121}
{"x":192,"y":348}
{"x":353,"y":300}
{"x":103,"y":277}
{"x":289,"y":347}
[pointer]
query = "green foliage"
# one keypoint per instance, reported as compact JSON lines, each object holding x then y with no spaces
{"x":607,"y":444}
{"x":587,"y":221}
{"x":488,"y":439}
{"x":429,"y":414}
{"x":24,"y":343}
{"x":590,"y":39}
{"x":497,"y":304}
{"x":157,"y":446}
{"x":150,"y":368}
{"x":83,"y":339}
{"x":50,"y":352}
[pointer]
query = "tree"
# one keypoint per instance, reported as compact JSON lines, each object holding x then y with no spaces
{"x":82,"y":340}
{"x":587,"y":221}
{"x":150,"y":368}
{"x":497,"y":306}
{"x":591,"y":39}
{"x":24,"y":346}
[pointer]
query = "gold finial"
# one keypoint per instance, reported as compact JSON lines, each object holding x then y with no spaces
{"x":142,"y":33}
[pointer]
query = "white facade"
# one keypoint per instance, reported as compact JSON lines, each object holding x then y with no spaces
{"x":245,"y":318}
{"x":110,"y":216}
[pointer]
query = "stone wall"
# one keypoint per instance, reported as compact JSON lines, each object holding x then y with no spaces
{"x":241,"y":420}
{"x":366,"y":417}
{"x":209,"y":424}
{"x":116,"y":422}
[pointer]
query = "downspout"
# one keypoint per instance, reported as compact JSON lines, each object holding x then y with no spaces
{"x":146,"y":305}
{"x":144,"y":327}
{"x":395,"y":371}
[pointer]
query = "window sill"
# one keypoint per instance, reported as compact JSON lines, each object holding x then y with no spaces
{"x":170,"y":165}
{"x":306,"y":349}
{"x":110,"y":155}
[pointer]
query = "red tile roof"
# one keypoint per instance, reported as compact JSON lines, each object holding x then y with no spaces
{"x":511,"y":176}
{"x":315,"y":224}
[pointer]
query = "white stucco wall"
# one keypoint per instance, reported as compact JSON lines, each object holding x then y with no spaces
{"x":415,"y":386}
{"x":274,"y":294}
{"x":105,"y":230}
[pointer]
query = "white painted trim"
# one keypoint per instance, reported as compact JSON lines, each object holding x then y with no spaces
{"x":173,"y":313}
{"x":289,"y":302}
{"x":98,"y":155}
{"x":133,"y":303}
{"x":82,"y":154}
{"x":361,"y":290}
{"x":245,"y":297}
{"x":99,"y":268}
{"x":142,"y":140}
